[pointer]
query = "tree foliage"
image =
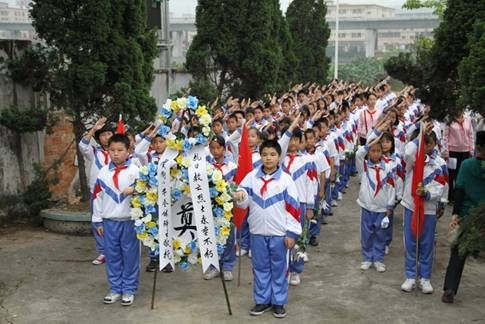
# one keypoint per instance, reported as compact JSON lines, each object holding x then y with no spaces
{"x":310,"y":32}
{"x":243,"y":47}
{"x":437,"y":66}
{"x":472,"y":71}
{"x":439,"y":6}
{"x":367,"y":71}
{"x":106,"y":64}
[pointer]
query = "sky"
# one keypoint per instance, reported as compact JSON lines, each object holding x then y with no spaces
{"x":187,"y":7}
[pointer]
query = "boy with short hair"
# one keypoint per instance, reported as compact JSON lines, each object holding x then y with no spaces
{"x":274,"y":221}
{"x":112,"y":204}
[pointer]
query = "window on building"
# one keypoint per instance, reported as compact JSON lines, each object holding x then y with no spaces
{"x":4,"y":13}
{"x":356,"y":35}
{"x":341,"y":35}
{"x":342,"y":11}
{"x":356,"y":11}
{"x":389,"y":34}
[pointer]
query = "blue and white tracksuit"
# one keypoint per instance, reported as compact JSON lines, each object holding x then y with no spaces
{"x":122,"y":248}
{"x":376,"y":197}
{"x":273,"y":214}
{"x":303,"y":171}
{"x":98,"y":158}
{"x":434,"y":182}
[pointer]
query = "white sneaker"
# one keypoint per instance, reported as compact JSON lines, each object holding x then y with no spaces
{"x":294,"y":279}
{"x":425,"y":286}
{"x":408,"y":285}
{"x":111,"y":298}
{"x":227,"y":275}
{"x":386,"y":251}
{"x":305,"y":257}
{"x":243,"y":252}
{"x":339,"y":197}
{"x":250,"y":254}
{"x":127,"y":299}
{"x":334,"y":203}
{"x":211,"y":274}
{"x":380,"y":267}
{"x":364,"y":266}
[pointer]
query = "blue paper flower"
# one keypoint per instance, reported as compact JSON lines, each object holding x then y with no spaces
{"x":193,"y":246}
{"x":164,"y":130}
{"x":150,"y":209}
{"x":140,"y":229}
{"x":164,"y":112}
{"x":218,"y":212}
{"x":220,"y":249}
{"x":153,"y":230}
{"x":153,"y":181}
{"x":183,"y":265}
{"x":213,"y":192}
{"x":192,"y":102}
{"x":176,"y":194}
{"x":187,"y":145}
{"x":201,"y":139}
{"x":152,"y":169}
{"x":185,"y":173}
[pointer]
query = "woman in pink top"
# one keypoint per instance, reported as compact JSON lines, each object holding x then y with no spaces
{"x":368,"y":118}
{"x":458,"y":145}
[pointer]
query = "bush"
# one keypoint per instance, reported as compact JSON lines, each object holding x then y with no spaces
{"x":472,"y":238}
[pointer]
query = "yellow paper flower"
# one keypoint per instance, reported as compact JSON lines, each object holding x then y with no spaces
{"x":187,"y":249}
{"x":171,"y":143}
{"x":135,"y":202}
{"x":140,"y":186}
{"x":225,"y":231}
{"x":228,"y":215}
{"x":219,"y":200}
{"x":185,"y":162}
{"x":226,"y":197}
{"x":150,"y":224}
{"x":186,"y":189}
{"x":174,"y":106}
{"x":201,"y":111}
{"x":142,"y":236}
{"x":152,"y":196}
{"x":174,"y":172}
{"x":221,"y":186}
{"x":179,"y":145}
{"x":176,"y":244}
{"x":179,"y":159}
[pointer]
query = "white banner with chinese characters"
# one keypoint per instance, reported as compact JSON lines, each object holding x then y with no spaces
{"x":199,"y":190}
{"x":165,"y":227}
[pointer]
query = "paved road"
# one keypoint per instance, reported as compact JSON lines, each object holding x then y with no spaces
{"x":48,"y":278}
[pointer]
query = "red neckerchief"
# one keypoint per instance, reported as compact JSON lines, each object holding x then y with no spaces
{"x":106,"y":156}
{"x":264,"y":188}
{"x":117,"y":170}
{"x":292,"y":159}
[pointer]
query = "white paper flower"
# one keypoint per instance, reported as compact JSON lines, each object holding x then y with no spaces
{"x":192,"y":258}
{"x":217,"y":176}
{"x":135,"y":214}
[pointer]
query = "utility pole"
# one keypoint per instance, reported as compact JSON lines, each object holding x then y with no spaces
{"x":337,"y":14}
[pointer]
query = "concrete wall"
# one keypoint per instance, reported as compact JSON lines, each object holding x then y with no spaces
{"x":18,"y":152}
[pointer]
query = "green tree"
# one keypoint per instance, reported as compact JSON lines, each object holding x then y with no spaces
{"x":107,"y":60}
{"x":439,"y":6}
{"x":310,"y":32}
{"x":367,"y":71}
{"x":472,"y":71}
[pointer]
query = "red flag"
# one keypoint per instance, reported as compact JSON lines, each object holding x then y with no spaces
{"x":120,"y":127}
{"x":244,"y":166}
{"x":417,"y":222}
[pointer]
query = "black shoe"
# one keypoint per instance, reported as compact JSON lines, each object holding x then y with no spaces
{"x":448,"y":297}
{"x":259,"y":309}
{"x":168,"y":268}
{"x":152,"y":266}
{"x":324,"y":222}
{"x":313,"y":241}
{"x":279,"y":311}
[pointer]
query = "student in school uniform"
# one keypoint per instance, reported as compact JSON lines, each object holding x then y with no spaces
{"x":303,"y":171}
{"x":98,"y":156}
{"x":274,"y":220}
{"x":318,"y":158}
{"x":431,"y":189}
{"x":376,"y":198}
{"x":111,"y":202}
{"x":228,"y":169}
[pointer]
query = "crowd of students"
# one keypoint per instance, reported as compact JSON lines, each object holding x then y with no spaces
{"x":306,"y":145}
